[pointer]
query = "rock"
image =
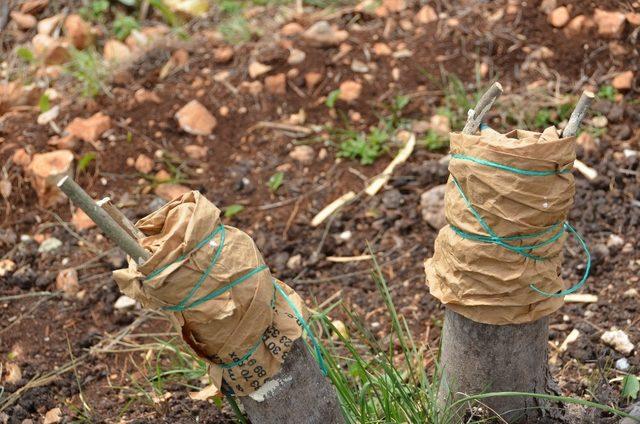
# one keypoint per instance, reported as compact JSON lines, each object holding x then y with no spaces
{"x":48,"y":116}
{"x":619,"y":340}
{"x":633,"y":18}
{"x":89,"y":129}
{"x":81,"y":220}
{"x":124,"y":302}
{"x":394,"y":5}
{"x":44,"y":171}
{"x":254,"y":87}
{"x":51,"y":51}
{"x":276,"y":84}
{"x":116,"y":51}
{"x":178,"y":59}
{"x":350,"y":91}
{"x":34,"y":7}
{"x":67,"y":281}
{"x":323,"y":34}
{"x":14,"y":373}
{"x":587,"y":142}
{"x":7,"y":266}
{"x":78,"y":31}
{"x":195,"y":119}
{"x":169,"y":192}
{"x":392,"y":199}
{"x":21,"y":158}
{"x":222,"y":54}
{"x":143,"y":164}
{"x":196,"y":152}
{"x":622,"y":364}
{"x":610,"y":24}
{"x":599,"y":121}
{"x":599,"y":253}
{"x":630,"y":294}
{"x":340,"y":328}
{"x":294,"y":262}
{"x":23,"y":20}
{"x":578,"y":25}
{"x":46,"y":26}
{"x":571,"y":338}
{"x":49,"y":245}
{"x":311,"y":79}
{"x":432,"y":207}
{"x":615,"y":242}
{"x":256,"y":69}
{"x":303,"y":154}
{"x":440,"y":124}
{"x":547,"y":6}
{"x":623,"y":81}
{"x":292,"y":28}
{"x":559,"y":16}
{"x":382,"y":49}
{"x":358,"y":66}
{"x":143,"y":96}
{"x":426,"y":15}
{"x":53,"y":416}
{"x":296,"y":57}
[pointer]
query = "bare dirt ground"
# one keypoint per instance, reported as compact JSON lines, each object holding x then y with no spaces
{"x":80,"y":353}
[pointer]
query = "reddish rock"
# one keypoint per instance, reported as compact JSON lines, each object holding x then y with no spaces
{"x":44,"y":171}
{"x":195,"y":119}
{"x":350,"y":91}
{"x":78,"y":31}
{"x":312,"y":79}
{"x":23,"y":20}
{"x":47,"y":25}
{"x":276,"y":84}
{"x":623,"y":81}
{"x":169,"y":192}
{"x":143,"y":164}
{"x":89,"y":129}
{"x":81,"y":220}
{"x":323,"y":34}
{"x":578,"y":24}
{"x":21,"y":158}
{"x":222,"y":54}
{"x":34,"y":7}
{"x":633,"y":18}
{"x":394,"y":5}
{"x":426,"y":15}
{"x":559,"y":17}
{"x":195,"y":151}
{"x":610,"y":24}
{"x":292,"y":28}
{"x":67,"y":281}
{"x":256,"y":69}
{"x":142,"y":96}
{"x":382,"y":49}
{"x":116,"y":51}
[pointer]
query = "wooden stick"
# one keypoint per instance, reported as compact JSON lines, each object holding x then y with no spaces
{"x":120,"y":218}
{"x":578,"y":114}
{"x":107,"y":224}
{"x":476,"y":115}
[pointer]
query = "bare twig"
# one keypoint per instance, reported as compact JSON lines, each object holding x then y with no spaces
{"x":107,"y":224}
{"x":120,"y":218}
{"x":476,"y":115}
{"x":578,"y":114}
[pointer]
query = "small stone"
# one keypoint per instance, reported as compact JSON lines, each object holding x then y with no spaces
{"x":14,"y":373}
{"x":599,"y":121}
{"x":610,"y":24}
{"x":195,"y":119}
{"x":256,"y":69}
{"x":578,"y":24}
{"x":116,"y":51}
{"x":44,"y":171}
{"x":622,"y":364}
{"x":559,"y":17}
{"x":53,"y":416}
{"x":21,"y":157}
{"x":350,"y":91}
{"x":78,"y":31}
{"x":143,"y":164}
{"x":394,"y":5}
{"x":630,"y":294}
{"x":432,"y":207}
{"x":547,"y":6}
{"x":195,"y":151}
{"x":276,"y":84}
{"x":124,"y":302}
{"x":223,"y":54}
{"x":142,"y":96}
{"x":426,"y":15}
{"x":615,"y":242}
{"x":633,"y":18}
{"x":392,"y":199}
{"x":169,"y":192}
{"x":382,"y":49}
{"x":619,"y":340}
{"x":294,"y":262}
{"x":48,"y":116}
{"x":587,"y":142}
{"x":49,"y":245}
{"x":312,"y":79}
{"x":67,"y":281}
{"x":89,"y":129}
{"x":303,"y":154}
{"x":33,"y":7}
{"x":323,"y":34}
{"x":7,"y":266}
{"x":296,"y":57}
{"x":571,"y":338}
{"x":252,"y":87}
{"x":292,"y":28}
{"x":81,"y":220}
{"x":358,"y":66}
{"x":47,"y":25}
{"x":623,"y":81}
{"x":23,"y":20}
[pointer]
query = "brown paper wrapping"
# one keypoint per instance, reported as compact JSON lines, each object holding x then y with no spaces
{"x":486,"y":282}
{"x":226,"y":328}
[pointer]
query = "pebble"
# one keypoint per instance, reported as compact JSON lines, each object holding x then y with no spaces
{"x":303,"y":154}
{"x":426,"y":15}
{"x":610,"y":24}
{"x":256,"y":69}
{"x":623,"y":81}
{"x":615,"y":242}
{"x":49,"y":245}
{"x":599,"y":121}
{"x":67,"y":281}
{"x":196,"y":119}
{"x":432,"y":206}
{"x":48,"y":116}
{"x":619,"y":340}
{"x":350,"y":91}
{"x":7,"y":266}
{"x":630,"y":294}
{"x":323,"y":34}
{"x":622,"y":364}
{"x":89,"y":129}
{"x":294,"y":262}
{"x":358,"y":66}
{"x":296,"y":57}
{"x":559,"y":17}
{"x":392,"y":199}
{"x":124,"y":302}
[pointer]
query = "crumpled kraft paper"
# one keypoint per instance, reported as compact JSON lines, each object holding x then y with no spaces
{"x":486,"y":282}
{"x":226,"y":328}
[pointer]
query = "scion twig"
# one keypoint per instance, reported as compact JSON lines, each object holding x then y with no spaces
{"x":578,"y":114}
{"x":476,"y":115}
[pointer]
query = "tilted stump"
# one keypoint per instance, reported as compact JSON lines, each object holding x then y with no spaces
{"x":481,"y":358}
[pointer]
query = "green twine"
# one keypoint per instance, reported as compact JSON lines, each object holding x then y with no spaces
{"x":556,"y":230}
{"x":185,"y":305}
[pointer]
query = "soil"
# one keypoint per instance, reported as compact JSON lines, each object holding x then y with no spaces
{"x":45,"y":332}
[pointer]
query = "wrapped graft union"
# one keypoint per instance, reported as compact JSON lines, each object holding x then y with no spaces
{"x":214,"y":285}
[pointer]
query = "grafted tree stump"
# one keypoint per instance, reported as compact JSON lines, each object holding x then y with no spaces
{"x":480,"y":358}
{"x":299,"y":393}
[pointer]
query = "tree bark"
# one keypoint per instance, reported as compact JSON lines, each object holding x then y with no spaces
{"x":480,"y":358}
{"x":299,"y":393}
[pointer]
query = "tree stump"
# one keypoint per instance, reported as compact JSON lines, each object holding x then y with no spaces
{"x":479,"y":358}
{"x":299,"y":393}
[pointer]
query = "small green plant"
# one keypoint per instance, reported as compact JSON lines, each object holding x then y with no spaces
{"x":87,"y":68}
{"x":95,"y":11}
{"x":630,"y":387}
{"x":236,"y":29}
{"x":365,"y":147}
{"x":44,"y":104}
{"x":166,"y":13}
{"x":434,"y":141}
{"x":232,"y":210}
{"x":84,"y":162}
{"x":332,"y":98}
{"x":607,"y":92}
{"x":25,"y":54}
{"x":275,"y":181}
{"x":123,"y":25}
